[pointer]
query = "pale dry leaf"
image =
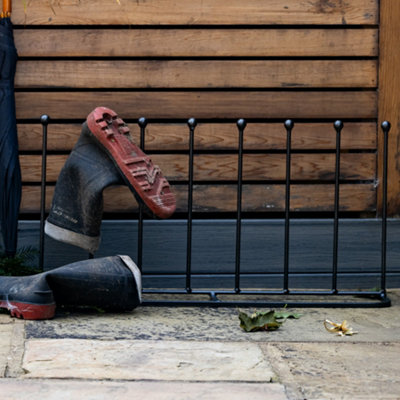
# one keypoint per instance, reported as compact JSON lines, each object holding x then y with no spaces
{"x":342,"y":329}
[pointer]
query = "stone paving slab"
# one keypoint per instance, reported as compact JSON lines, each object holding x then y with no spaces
{"x":218,"y":324}
{"x":100,"y":390}
{"x":337,"y":370}
{"x":17,"y":347}
{"x":184,"y":345}
{"x":141,"y":359}
{"x":5,"y":318}
{"x":5,"y":346}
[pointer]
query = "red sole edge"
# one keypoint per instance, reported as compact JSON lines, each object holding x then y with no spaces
{"x":29,"y":311}
{"x":140,"y":173}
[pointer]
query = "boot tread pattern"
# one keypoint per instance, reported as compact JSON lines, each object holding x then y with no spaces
{"x":138,"y":170}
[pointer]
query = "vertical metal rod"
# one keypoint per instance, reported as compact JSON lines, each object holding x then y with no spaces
{"x":192,"y":125}
{"x":44,"y":120}
{"x":241,"y":124}
{"x":289,"y":126}
{"x":142,"y":124}
{"x":385,"y":128}
{"x":338,"y":125}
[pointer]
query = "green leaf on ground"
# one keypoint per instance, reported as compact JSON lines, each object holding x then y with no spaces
{"x":259,"y":321}
{"x":286,"y":315}
{"x":264,"y":321}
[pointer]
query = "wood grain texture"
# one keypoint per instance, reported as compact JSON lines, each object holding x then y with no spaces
{"x":222,"y":198}
{"x":210,"y":104}
{"x":183,"y":12}
{"x":223,"y":167}
{"x":214,"y":136}
{"x":196,"y":74}
{"x":245,"y":42}
{"x":176,"y":59}
{"x":389,"y":100}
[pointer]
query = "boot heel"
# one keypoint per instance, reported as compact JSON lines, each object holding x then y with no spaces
{"x":29,"y":311}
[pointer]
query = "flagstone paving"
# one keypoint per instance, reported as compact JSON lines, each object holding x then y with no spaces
{"x":346,"y":370}
{"x":6,"y":329}
{"x":215,"y":324}
{"x":105,"y":390}
{"x":200,"y":353}
{"x":145,"y":360}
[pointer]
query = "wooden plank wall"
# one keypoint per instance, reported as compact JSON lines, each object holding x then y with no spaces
{"x":215,"y":60}
{"x":389,"y":98}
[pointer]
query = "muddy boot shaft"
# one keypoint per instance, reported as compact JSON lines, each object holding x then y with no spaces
{"x":110,"y":283}
{"x":104,"y":155}
{"x":77,"y":207}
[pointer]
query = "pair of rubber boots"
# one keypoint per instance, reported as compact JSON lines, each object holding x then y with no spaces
{"x":104,"y":155}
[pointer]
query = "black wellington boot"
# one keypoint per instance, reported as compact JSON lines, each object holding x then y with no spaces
{"x":111,"y":283}
{"x":104,"y":155}
{"x":77,"y":207}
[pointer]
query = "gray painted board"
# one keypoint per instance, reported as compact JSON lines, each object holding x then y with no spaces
{"x":213,"y":256}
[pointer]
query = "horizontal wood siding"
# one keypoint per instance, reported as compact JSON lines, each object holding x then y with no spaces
{"x":222,"y":197}
{"x":100,"y":74}
{"x":206,"y":105}
{"x":206,"y":12}
{"x":217,"y":61}
{"x":223,"y":167}
{"x":213,"y":136}
{"x":210,"y":42}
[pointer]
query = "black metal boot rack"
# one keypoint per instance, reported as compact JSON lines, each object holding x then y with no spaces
{"x":237,"y":296}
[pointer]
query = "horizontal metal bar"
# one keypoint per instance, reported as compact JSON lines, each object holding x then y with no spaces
{"x":379,"y":303}
{"x":331,"y":293}
{"x":303,"y":274}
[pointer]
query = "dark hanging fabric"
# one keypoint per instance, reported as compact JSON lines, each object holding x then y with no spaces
{"x":10,"y":172}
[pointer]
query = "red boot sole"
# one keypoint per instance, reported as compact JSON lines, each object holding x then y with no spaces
{"x":136,"y":167}
{"x":29,"y":311}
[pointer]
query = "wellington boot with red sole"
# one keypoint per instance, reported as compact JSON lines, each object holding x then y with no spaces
{"x":104,"y":155}
{"x":77,"y":207}
{"x":137,"y":169}
{"x":110,"y":283}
